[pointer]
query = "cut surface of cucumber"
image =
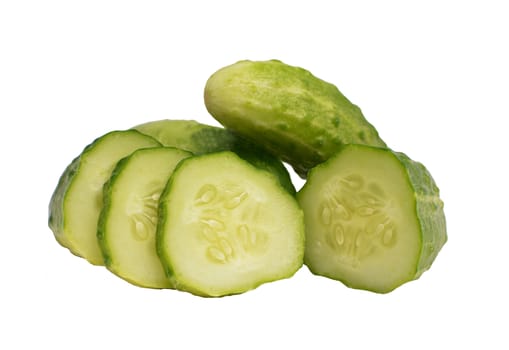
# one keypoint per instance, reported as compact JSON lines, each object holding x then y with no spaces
{"x":226,"y":227}
{"x":128,"y":220}
{"x":374,"y":219}
{"x":77,"y":200}
{"x":199,"y":139}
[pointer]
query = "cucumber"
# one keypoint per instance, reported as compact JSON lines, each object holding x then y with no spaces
{"x":127,"y":223}
{"x":189,"y":135}
{"x":77,"y":200}
{"x":296,"y":116}
{"x":201,"y":139}
{"x":374,"y":218}
{"x":226,"y":227}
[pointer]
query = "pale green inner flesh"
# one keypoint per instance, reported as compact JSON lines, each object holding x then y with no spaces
{"x":361,"y":225}
{"x":231,"y":230}
{"x":84,"y":199}
{"x":130,"y":228}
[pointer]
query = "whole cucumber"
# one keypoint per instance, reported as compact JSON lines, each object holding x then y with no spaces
{"x":296,"y":116}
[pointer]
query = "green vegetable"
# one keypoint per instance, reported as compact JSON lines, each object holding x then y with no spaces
{"x":202,"y":139}
{"x":226,"y":227}
{"x":127,"y":224}
{"x":296,"y":116}
{"x":374,"y":219}
{"x":213,"y":211}
{"x":77,"y":200}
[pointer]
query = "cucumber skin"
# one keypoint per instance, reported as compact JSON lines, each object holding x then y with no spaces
{"x":199,"y":139}
{"x":429,"y":210}
{"x":296,"y":116}
{"x":188,"y":135}
{"x":166,"y":261}
{"x":56,"y":217}
{"x":56,"y":206}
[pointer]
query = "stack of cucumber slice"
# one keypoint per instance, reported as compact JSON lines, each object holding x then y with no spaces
{"x":211,"y":215}
{"x":213,"y":211}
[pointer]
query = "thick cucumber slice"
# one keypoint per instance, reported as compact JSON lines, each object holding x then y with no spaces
{"x":189,"y":135}
{"x":202,"y":139}
{"x":298,"y":117}
{"x":127,"y":224}
{"x":77,"y":200}
{"x":374,"y":219}
{"x":226,"y":227}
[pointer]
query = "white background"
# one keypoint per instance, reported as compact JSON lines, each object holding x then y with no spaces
{"x":431,"y":76}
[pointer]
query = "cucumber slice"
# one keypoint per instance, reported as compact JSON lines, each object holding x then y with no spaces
{"x":77,"y":200}
{"x":127,"y":224}
{"x":226,"y":227}
{"x":202,"y":139}
{"x":374,"y":219}
{"x":291,"y":113}
{"x":189,"y":135}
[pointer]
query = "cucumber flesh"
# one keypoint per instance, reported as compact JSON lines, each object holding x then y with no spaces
{"x":127,"y":224}
{"x":77,"y":200}
{"x":201,"y":139}
{"x":226,"y":227}
{"x":374,"y":219}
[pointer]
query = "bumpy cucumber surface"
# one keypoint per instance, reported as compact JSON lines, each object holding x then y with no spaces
{"x":374,"y":218}
{"x":201,"y":139}
{"x":128,"y":220}
{"x":77,"y":200}
{"x":293,"y":114}
{"x":226,"y":227}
